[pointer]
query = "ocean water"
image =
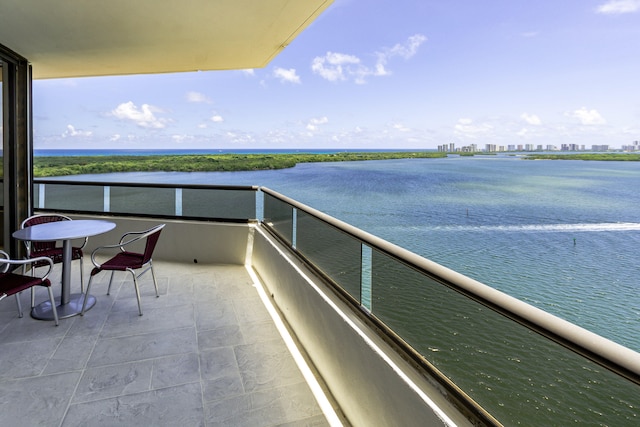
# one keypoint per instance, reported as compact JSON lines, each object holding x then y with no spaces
{"x":561,"y":235}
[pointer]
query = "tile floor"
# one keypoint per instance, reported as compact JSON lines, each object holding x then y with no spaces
{"x":205,"y":353}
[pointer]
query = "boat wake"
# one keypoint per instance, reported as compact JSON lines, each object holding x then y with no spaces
{"x":580,"y":227}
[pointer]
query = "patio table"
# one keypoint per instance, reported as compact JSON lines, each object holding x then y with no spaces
{"x":70,"y":304}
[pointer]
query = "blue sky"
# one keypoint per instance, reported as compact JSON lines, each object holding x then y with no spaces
{"x":383,"y":74}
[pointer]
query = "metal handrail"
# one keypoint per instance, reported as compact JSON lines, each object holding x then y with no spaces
{"x":603,"y":351}
{"x":149,"y":185}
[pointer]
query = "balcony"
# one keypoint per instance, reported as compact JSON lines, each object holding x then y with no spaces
{"x":206,"y":352}
{"x":256,"y":288}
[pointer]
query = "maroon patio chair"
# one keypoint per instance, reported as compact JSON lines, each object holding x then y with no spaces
{"x":128,"y":261}
{"x":13,"y":284}
{"x":49,"y":249}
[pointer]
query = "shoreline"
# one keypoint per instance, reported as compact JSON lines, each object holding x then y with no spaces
{"x":616,"y":157}
{"x":48,"y":166}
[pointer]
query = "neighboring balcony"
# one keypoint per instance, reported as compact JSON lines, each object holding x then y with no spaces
{"x":271,"y":313}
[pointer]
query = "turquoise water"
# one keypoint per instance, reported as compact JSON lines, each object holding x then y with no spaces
{"x":561,"y":235}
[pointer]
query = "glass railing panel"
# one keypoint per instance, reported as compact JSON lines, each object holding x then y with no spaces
{"x":279,"y":216}
{"x":36,"y":196}
{"x":69,"y":197}
{"x":143,"y":200}
{"x":513,"y":372}
{"x":223,"y":204}
{"x":336,"y":253}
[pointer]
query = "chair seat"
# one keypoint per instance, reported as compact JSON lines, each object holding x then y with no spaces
{"x":121,"y":262}
{"x":56,"y":255}
{"x":11,"y":283}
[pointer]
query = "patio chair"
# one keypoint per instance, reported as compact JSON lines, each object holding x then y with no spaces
{"x":128,"y":261}
{"x":13,"y":284}
{"x":49,"y":249}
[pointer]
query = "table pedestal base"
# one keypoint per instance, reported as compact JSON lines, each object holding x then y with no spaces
{"x":43,"y":311}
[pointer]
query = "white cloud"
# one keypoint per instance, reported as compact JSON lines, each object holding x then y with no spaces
{"x":334,"y":66}
{"x":72,"y":131}
{"x":315,"y":122}
{"x":216,"y":118}
{"x":248,"y":72}
{"x":286,"y":75}
{"x":240,"y":138}
{"x":400,"y":127}
{"x":115,"y":137}
{"x":468,"y":129}
{"x":406,"y":51}
{"x":197,"y":97}
{"x":341,"y":67}
{"x":531,"y":119}
{"x":181,"y":138}
{"x":143,"y":117}
{"x":588,"y":117}
{"x":613,"y":7}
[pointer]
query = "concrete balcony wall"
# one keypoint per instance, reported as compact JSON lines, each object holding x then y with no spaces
{"x":183,"y":241}
{"x":370,"y":382}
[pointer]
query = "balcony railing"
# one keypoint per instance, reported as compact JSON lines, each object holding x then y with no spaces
{"x":516,"y":361}
{"x":224,"y":203}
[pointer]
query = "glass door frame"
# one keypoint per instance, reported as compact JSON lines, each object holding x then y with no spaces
{"x":17,"y":146}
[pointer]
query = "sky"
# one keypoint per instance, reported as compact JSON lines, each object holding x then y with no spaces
{"x":388,"y":74}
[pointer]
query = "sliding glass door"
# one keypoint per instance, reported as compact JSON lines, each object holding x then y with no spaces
{"x":16,"y":144}
{"x":3,"y":126}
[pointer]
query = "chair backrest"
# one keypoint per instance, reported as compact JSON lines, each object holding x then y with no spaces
{"x":152,"y":236}
{"x":35,"y":247}
{"x":4,"y":267}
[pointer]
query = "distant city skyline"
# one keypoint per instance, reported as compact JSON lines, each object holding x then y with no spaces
{"x":408,"y":74}
{"x":634,"y":147}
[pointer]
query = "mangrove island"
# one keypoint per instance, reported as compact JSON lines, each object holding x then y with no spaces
{"x":80,"y":165}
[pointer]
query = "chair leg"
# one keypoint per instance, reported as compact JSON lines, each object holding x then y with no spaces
{"x":84,"y":300}
{"x":53,"y":305}
{"x":33,"y":293}
{"x":19,"y":304}
{"x":155,"y":283}
{"x":135,"y":283}
{"x":110,"y":281}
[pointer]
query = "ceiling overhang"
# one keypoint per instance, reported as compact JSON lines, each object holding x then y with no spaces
{"x":75,"y":38}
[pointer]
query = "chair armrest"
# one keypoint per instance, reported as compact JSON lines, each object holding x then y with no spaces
{"x":119,"y":246}
{"x":5,"y":263}
{"x":86,"y":239}
{"x":139,"y":235}
{"x":104,"y":248}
